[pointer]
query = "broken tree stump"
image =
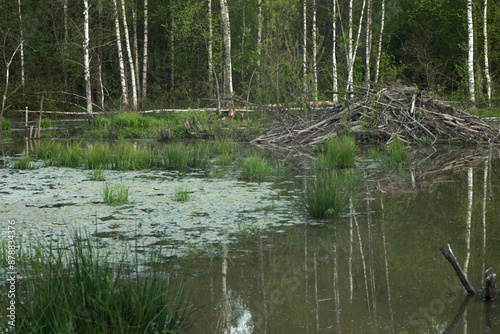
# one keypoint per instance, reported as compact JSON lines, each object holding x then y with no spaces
{"x":448,"y":254}
{"x":490,"y":284}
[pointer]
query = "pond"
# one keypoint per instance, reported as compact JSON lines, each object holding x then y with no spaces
{"x":254,"y":263}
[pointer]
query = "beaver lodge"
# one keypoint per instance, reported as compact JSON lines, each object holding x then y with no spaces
{"x":384,"y":114}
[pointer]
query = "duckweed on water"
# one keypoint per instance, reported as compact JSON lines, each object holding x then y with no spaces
{"x":81,"y":292}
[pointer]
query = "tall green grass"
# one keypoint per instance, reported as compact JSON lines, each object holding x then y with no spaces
{"x":24,"y":162}
{"x":115,"y":194}
{"x":396,"y":154}
{"x":256,"y":168}
{"x":327,"y":195}
{"x":337,"y":152}
{"x":181,"y":194}
{"x":76,"y":290}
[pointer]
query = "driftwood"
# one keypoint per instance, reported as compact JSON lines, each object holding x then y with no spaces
{"x":391,"y":111}
{"x":490,"y":284}
{"x":448,"y":254}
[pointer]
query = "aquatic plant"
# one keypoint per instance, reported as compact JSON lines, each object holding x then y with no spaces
{"x":97,"y":174}
{"x":337,"y":152}
{"x":224,"y":159}
{"x":181,"y":194}
{"x":25,"y":162}
{"x":83,"y":292}
{"x":45,"y":123}
{"x":115,"y":194}
{"x":396,"y":154}
{"x":256,"y":168}
{"x":5,"y":124}
{"x":327,"y":195}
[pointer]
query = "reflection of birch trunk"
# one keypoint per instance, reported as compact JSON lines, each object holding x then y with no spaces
{"x":336,"y":292}
{"x":387,"y":267}
{"x":370,"y":249}
{"x":224,"y":321}
{"x":316,"y":290}
{"x":362,"y":257}
{"x":305,"y":260}
{"x":351,"y":290}
{"x":469,"y":218}
{"x":262,"y":278}
{"x":485,"y":189}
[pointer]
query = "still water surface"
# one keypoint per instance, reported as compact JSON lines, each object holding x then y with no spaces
{"x":377,"y":269}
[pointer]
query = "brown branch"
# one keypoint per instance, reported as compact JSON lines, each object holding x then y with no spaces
{"x":448,"y":254}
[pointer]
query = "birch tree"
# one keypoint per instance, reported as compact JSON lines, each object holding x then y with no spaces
{"x":145,"y":53}
{"x":486,"y":60}
{"x":304,"y":47}
{"x":353,"y":51}
{"x":335,"y":98}
{"x":136,"y":48}
{"x":86,"y":59}
{"x":121,"y":62}
{"x":130,"y":57}
{"x":315,"y":46}
{"x":228,"y":76}
{"x":470,"y":58}
{"x":259,"y":38}
{"x":368,"y":42}
{"x":22,"y":42}
{"x":379,"y":51}
{"x":6,"y":90}
{"x":210,"y":48}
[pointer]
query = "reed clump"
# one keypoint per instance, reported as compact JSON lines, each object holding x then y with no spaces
{"x":327,"y":195}
{"x":337,"y":152}
{"x":181,"y":194}
{"x":24,"y":162}
{"x":77,"y":289}
{"x":256,"y":168}
{"x":396,"y":154}
{"x":115,"y":194}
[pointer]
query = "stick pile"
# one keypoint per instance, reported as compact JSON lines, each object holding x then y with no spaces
{"x":384,"y":114}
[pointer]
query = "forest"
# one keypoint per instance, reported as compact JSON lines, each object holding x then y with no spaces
{"x":153,"y":54}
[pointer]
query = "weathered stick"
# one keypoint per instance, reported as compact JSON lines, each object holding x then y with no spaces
{"x":448,"y":254}
{"x":490,"y":284}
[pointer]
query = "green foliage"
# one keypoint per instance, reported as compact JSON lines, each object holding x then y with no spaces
{"x":256,"y":168}
{"x":45,"y":123}
{"x":24,"y":162}
{"x":97,"y":174}
{"x":83,"y":292}
{"x":337,"y":152}
{"x":5,"y":124}
{"x":396,"y":154}
{"x":116,"y":194}
{"x":181,"y":194}
{"x":327,"y":195}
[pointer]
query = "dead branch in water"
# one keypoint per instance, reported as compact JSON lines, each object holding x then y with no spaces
{"x":448,"y":254}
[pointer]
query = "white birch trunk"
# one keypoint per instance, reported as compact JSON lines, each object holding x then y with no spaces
{"x":486,"y":60}
{"x":136,"y":49}
{"x":304,"y":47}
{"x":379,"y":51}
{"x":470,"y":58}
{"x":22,"y":42}
{"x":130,"y":57}
{"x":315,"y":49}
{"x":86,"y":58}
{"x":228,"y":76}
{"x":259,"y":37}
{"x":368,"y":42}
{"x":350,"y":51}
{"x":6,"y":90}
{"x":210,"y":48}
{"x":335,"y":98}
{"x":145,"y":53}
{"x":121,"y":62}
{"x":350,"y":78}
{"x":172,"y":53}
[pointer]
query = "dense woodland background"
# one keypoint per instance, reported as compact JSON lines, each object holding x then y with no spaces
{"x":424,"y":43}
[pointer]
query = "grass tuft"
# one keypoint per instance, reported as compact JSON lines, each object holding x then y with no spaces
{"x":328,"y":194}
{"x":256,"y":168}
{"x":116,"y":194}
{"x":337,"y":152}
{"x":25,"y":162}
{"x":78,"y":290}
{"x":181,"y":194}
{"x":97,"y":174}
{"x":396,"y":154}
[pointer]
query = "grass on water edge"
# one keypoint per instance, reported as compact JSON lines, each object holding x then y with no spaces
{"x":76,"y":289}
{"x":336,"y":152}
{"x":327,"y":195}
{"x":115,"y":194}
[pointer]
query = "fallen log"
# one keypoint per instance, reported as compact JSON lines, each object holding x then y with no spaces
{"x":448,"y":254}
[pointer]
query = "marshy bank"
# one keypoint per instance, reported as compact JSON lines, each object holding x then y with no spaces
{"x":231,"y":216}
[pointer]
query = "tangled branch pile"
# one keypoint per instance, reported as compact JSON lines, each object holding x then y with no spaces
{"x":395,"y":111}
